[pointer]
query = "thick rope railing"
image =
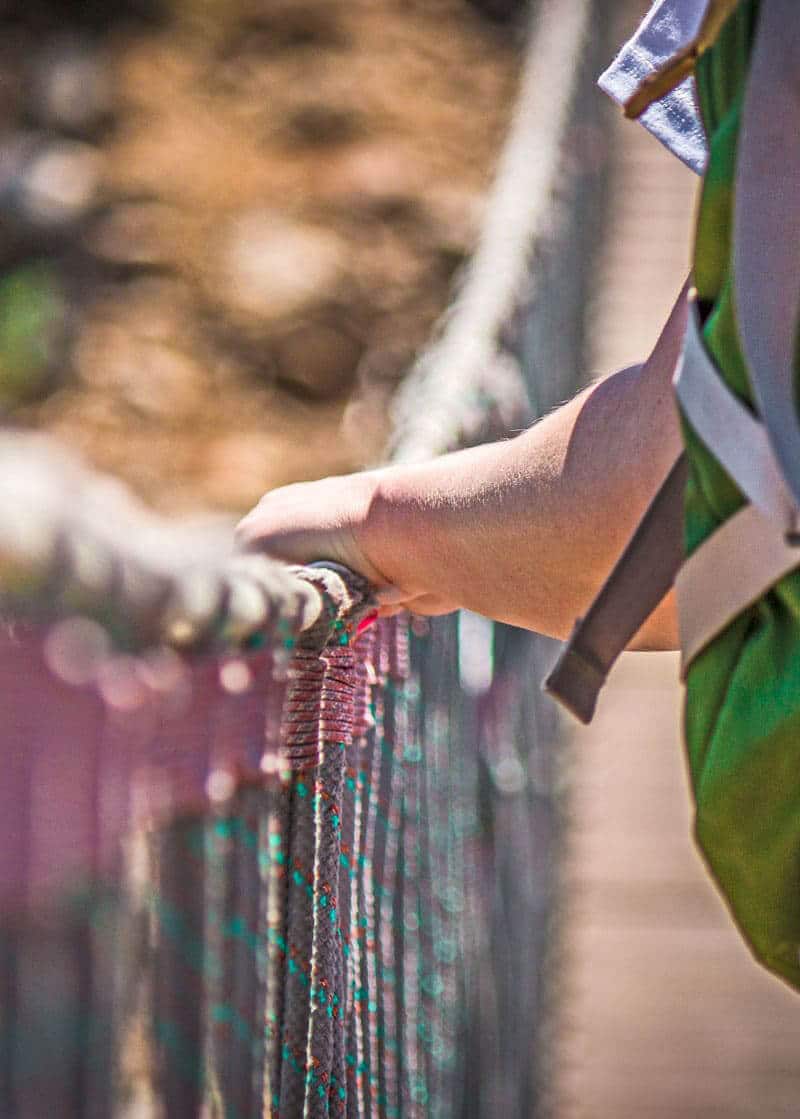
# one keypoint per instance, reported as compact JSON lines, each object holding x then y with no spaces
{"x":258,"y":857}
{"x":472,"y":385}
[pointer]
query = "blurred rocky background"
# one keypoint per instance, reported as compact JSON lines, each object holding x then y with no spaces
{"x":227,"y":226}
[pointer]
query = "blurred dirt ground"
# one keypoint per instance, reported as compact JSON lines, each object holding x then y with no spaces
{"x":226,"y":226}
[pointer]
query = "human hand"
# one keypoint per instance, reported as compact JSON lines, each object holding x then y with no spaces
{"x":348,"y":520}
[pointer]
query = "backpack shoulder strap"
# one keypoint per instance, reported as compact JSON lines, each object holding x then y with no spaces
{"x":638,"y":582}
{"x":767,"y":229}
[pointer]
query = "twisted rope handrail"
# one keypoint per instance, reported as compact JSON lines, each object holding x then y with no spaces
{"x":75,"y":541}
{"x":466,"y":386}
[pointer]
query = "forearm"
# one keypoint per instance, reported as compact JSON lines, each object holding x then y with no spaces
{"x":525,"y":531}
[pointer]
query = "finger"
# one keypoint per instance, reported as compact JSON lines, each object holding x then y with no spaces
{"x":431,"y":606}
{"x":426,"y":605}
{"x":388,"y":595}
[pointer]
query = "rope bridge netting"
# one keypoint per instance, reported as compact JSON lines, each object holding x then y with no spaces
{"x":258,"y":857}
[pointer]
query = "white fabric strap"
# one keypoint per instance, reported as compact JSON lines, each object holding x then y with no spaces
{"x":734,"y":436}
{"x":730,"y":571}
{"x":674,"y":118}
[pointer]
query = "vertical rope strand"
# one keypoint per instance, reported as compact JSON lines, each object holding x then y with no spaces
{"x":326,"y":1090}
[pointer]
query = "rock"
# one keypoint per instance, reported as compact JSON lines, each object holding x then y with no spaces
{"x":365,"y":426}
{"x":13,"y":80}
{"x":283,"y":26}
{"x":272,"y":267}
{"x":379,"y":177}
{"x":72,"y":88}
{"x":317,"y":360}
{"x":46,"y":189}
{"x":455,"y":217}
{"x":238,"y":470}
{"x":386,"y":362}
{"x":94,"y":16}
{"x":60,"y":183}
{"x":17,"y":151}
{"x":150,"y":377}
{"x":155,"y":308}
{"x":500,"y":11}
{"x":134,"y":235}
{"x":318,"y":124}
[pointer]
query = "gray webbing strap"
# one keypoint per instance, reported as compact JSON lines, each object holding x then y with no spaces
{"x":641,"y":577}
{"x":736,"y":438}
{"x":730,"y":571}
{"x":767,"y":228}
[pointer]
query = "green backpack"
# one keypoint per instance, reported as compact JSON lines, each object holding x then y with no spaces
{"x":737,"y":489}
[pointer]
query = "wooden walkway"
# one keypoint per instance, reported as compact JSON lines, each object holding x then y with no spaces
{"x":663,"y":1014}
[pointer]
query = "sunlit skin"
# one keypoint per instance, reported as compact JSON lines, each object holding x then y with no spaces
{"x":523,"y":531}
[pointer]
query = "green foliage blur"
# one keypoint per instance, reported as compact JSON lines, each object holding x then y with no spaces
{"x":31,"y":310}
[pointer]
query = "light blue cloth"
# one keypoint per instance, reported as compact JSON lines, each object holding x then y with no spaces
{"x":675,"y":119}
